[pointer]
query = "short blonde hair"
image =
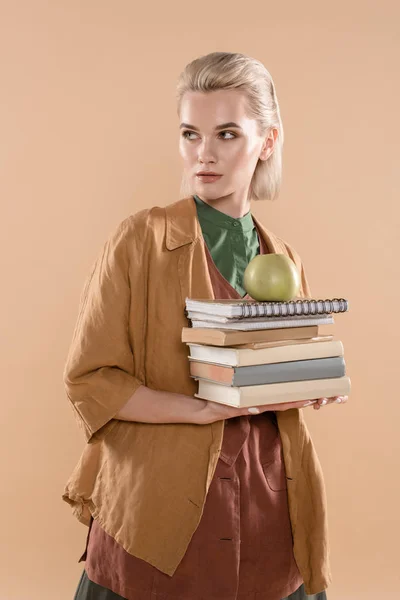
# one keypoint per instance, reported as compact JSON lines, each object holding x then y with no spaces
{"x":228,"y":70}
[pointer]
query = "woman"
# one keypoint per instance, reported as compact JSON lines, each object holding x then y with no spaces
{"x":188,"y":499}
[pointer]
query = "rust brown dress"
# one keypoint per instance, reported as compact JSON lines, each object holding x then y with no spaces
{"x":243,"y":546}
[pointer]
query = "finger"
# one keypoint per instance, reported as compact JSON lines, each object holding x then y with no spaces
{"x":337,"y":399}
{"x":320,"y":402}
{"x":341,"y":399}
{"x":254,"y":410}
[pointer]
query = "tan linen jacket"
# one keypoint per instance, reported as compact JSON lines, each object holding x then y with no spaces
{"x":146,"y":483}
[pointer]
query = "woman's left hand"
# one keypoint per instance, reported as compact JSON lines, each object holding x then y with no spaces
{"x":325,"y":401}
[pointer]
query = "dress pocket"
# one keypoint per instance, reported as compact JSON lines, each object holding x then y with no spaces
{"x":275,"y":475}
{"x":269,"y":448}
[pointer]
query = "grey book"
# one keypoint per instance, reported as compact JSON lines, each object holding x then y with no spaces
{"x":298,"y":370}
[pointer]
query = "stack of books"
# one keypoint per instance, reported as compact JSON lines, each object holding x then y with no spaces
{"x":248,"y":353}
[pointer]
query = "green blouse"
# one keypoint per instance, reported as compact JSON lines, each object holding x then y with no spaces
{"x":232,"y":242}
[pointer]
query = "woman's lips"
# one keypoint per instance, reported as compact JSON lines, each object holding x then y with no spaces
{"x":208,"y":178}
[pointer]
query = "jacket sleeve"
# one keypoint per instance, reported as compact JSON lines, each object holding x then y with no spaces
{"x":99,"y":371}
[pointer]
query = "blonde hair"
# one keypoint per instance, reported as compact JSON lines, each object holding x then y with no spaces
{"x":232,"y":70}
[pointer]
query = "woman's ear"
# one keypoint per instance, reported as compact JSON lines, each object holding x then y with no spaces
{"x":269,"y":143}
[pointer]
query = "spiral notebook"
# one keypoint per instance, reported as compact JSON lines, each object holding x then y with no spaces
{"x":243,"y":309}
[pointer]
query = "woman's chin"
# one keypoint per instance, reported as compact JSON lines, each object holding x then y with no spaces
{"x":210,"y":191}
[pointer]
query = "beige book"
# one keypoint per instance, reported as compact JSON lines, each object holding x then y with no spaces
{"x":227,"y":337}
{"x":258,"y":345}
{"x":273,"y":393}
{"x":239,"y":357}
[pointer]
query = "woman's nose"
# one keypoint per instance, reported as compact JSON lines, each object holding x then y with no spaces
{"x":206,"y":151}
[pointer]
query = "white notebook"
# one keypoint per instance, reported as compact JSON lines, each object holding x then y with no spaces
{"x":267,"y":323}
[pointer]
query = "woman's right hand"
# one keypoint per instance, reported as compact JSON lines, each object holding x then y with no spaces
{"x":214,"y":411}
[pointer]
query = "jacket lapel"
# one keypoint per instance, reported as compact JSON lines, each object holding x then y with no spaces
{"x":184,"y":238}
{"x":273,"y":243}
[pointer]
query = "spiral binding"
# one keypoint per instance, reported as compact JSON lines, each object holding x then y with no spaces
{"x":292,"y":308}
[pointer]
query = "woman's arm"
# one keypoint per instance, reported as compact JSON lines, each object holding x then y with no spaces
{"x":99,"y":371}
{"x":154,"y":406}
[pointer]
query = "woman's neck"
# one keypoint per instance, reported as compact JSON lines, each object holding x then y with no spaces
{"x":229,"y":205}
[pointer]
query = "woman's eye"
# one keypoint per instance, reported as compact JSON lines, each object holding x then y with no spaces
{"x":230,"y":133}
{"x":186,"y":134}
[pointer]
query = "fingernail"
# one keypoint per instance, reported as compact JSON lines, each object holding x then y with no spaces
{"x":254,"y":410}
{"x":338,"y":400}
{"x":324,"y":401}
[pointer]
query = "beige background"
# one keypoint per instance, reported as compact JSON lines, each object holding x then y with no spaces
{"x":89,"y":135}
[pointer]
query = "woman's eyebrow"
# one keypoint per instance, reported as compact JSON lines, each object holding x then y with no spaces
{"x":223,"y":126}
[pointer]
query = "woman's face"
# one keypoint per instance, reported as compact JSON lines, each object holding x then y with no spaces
{"x":232,"y":151}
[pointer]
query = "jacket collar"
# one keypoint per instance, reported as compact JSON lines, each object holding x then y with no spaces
{"x":183,"y":227}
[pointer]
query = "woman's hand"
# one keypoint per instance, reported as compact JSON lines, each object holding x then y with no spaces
{"x":324,"y":401}
{"x":214,"y":411}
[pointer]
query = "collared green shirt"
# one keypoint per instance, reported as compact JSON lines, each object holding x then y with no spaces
{"x":232,"y":243}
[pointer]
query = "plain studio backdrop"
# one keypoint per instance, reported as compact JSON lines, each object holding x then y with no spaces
{"x":89,"y":135}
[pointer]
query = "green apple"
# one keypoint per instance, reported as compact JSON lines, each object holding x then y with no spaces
{"x":271,"y":278}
